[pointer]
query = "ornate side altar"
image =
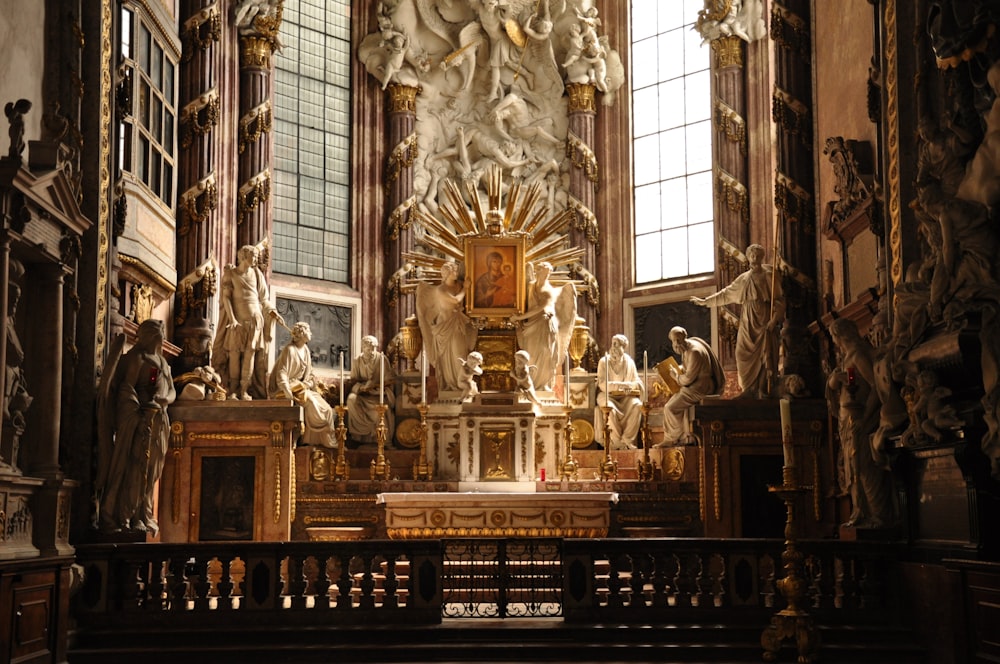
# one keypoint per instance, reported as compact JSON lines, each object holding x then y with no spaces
{"x":230,"y":471}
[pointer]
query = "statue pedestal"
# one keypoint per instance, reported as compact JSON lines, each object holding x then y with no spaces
{"x":230,"y":471}
{"x":16,"y":493}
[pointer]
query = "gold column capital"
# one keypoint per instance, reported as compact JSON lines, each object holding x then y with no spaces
{"x":256,"y":51}
{"x":403,"y":98}
{"x":728,"y":52}
{"x":582,"y":97}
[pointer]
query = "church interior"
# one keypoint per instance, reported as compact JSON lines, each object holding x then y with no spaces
{"x":500,"y":330}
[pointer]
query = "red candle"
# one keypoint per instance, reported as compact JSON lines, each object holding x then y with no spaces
{"x":541,"y":474}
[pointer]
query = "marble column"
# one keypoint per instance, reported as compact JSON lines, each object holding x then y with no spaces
{"x":198,"y":208}
{"x":583,"y":178}
{"x":732,"y":198}
{"x":399,"y":188}
{"x":794,"y":182}
{"x":253,"y":211}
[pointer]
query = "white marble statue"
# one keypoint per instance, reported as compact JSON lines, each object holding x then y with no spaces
{"x":245,"y":325}
{"x":372,"y":379}
{"x":134,"y":429}
{"x":472,"y":366}
{"x":292,"y":378}
{"x":699,"y":375}
{"x":544,"y":329}
{"x":448,"y":334}
{"x":619,"y":387}
{"x":762,"y":309}
{"x":744,"y":20}
{"x":521,"y":372}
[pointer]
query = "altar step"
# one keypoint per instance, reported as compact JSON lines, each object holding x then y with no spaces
{"x":497,"y":641}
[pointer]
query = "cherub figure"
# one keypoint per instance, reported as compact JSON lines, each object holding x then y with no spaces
{"x":471,"y":367}
{"x":521,"y":373}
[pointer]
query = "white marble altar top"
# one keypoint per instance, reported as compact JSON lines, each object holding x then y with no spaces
{"x":496,"y":497}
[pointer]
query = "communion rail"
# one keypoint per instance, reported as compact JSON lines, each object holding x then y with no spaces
{"x":255,"y":585}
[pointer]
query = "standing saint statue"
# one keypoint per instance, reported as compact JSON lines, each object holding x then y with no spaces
{"x":245,"y":317}
{"x":133,"y":430}
{"x":762,"y":308}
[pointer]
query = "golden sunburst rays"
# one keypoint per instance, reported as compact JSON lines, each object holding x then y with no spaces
{"x":460,"y":217}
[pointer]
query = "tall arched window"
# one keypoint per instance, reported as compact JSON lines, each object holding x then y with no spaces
{"x":312,"y":140}
{"x":671,"y":141}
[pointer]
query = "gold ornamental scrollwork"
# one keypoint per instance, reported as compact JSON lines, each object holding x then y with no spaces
{"x":256,"y":52}
{"x":104,"y":187}
{"x":791,"y":115}
{"x":733,"y":193}
{"x":728,"y":52}
{"x":402,"y":156}
{"x":252,"y":193}
{"x":177,"y":435}
{"x":584,"y":220}
{"x":192,"y":436}
{"x":582,"y":97}
{"x":582,"y":156}
{"x":731,"y":124}
{"x":256,"y":123}
{"x":198,"y":202}
{"x":399,"y":219}
{"x":277,"y":434}
{"x":200,"y":31}
{"x":789,"y":31}
{"x":199,"y":116}
{"x":792,"y":200}
{"x":403,"y":98}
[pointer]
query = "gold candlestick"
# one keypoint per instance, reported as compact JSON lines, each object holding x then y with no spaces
{"x":791,"y":622}
{"x":380,"y":465}
{"x":609,"y":467}
{"x":341,"y":469}
{"x":421,"y":468}
{"x":569,"y":467}
{"x":645,"y":467}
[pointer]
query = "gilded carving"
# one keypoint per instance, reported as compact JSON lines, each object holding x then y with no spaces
{"x":892,"y":142}
{"x":252,"y":193}
{"x":584,"y":219}
{"x":791,"y":115}
{"x":733,"y":194}
{"x":198,"y":202}
{"x":731,"y":124}
{"x":199,"y":116}
{"x":582,"y":98}
{"x":789,"y":31}
{"x":256,"y":52}
{"x":728,"y":52}
{"x":402,"y":157}
{"x":255,"y":124}
{"x":399,"y":218}
{"x":582,"y":156}
{"x":104,"y":186}
{"x":201,"y":30}
{"x":142,"y":303}
{"x":403,"y":98}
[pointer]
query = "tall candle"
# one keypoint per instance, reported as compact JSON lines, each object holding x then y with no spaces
{"x":645,"y":372}
{"x":607,"y":366}
{"x":786,"y":432}
{"x":341,"y":378}
{"x":423,"y":377}
{"x":381,"y":378}
{"x":566,"y":385}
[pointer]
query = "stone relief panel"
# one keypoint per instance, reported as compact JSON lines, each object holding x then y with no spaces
{"x":492,"y":74}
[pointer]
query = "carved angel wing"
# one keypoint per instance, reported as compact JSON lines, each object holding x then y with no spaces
{"x":566,"y":315}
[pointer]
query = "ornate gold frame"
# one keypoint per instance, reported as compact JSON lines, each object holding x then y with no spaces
{"x":512,"y":249}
